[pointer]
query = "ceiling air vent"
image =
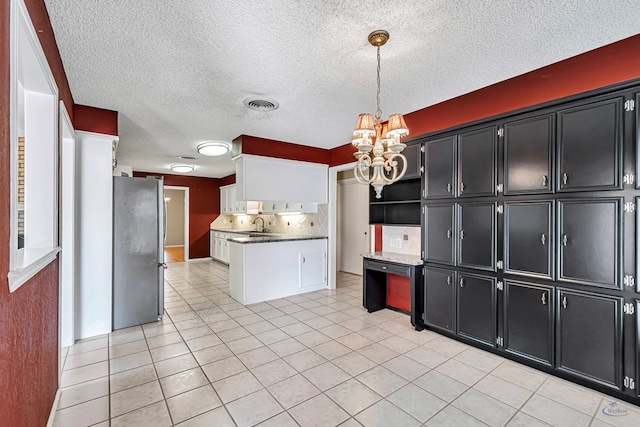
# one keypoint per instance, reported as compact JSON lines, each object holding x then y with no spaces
{"x":261,"y":104}
{"x":187,"y":157}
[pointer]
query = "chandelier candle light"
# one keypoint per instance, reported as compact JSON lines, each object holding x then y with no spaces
{"x":379,"y":145}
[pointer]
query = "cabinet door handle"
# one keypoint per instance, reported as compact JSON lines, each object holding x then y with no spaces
{"x":303,"y":260}
{"x":461,"y":187}
{"x":461,"y":234}
{"x":448,"y":187}
{"x":448,"y":280}
{"x":545,"y":180}
{"x":565,"y":179}
{"x":448,"y":234}
{"x":462,"y":282}
{"x":384,"y":267}
{"x":543,"y":239}
{"x":544,"y":298}
{"x":564,"y":302}
{"x":565,"y":240}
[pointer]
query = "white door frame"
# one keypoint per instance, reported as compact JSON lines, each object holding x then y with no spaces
{"x":186,"y":217}
{"x":66,"y":319}
{"x":333,"y":219}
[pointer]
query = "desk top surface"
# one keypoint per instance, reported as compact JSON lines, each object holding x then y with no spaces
{"x":394,"y":257}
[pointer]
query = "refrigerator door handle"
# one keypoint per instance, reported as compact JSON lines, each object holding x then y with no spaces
{"x":163,"y":265}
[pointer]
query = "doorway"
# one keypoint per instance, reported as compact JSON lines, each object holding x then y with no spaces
{"x":353,"y":223}
{"x":176,"y":242}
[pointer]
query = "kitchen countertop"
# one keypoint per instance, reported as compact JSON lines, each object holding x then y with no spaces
{"x":394,"y":257}
{"x":271,"y":238}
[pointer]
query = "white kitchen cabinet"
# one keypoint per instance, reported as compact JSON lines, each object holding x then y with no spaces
{"x":212,"y":245}
{"x":219,"y":249}
{"x":225,"y":207}
{"x":267,"y":178}
{"x":284,"y":207}
{"x":230,"y":205}
{"x":313,"y":269}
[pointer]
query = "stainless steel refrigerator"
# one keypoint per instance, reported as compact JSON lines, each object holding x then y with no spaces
{"x":138,"y":250}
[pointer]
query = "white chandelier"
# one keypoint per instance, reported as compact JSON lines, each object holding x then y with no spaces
{"x":383,"y":141}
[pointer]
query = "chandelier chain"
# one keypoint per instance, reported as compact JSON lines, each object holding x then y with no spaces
{"x":378,"y":110}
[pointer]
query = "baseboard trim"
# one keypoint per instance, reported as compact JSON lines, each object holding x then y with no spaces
{"x":206,"y":259}
{"x":54,"y":407}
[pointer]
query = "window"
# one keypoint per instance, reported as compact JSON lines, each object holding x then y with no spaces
{"x":34,"y":153}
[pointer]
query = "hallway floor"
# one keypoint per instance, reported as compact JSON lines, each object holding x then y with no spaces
{"x":317,"y":359}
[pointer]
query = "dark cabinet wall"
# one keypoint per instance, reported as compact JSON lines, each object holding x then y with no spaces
{"x":590,"y":336}
{"x":545,"y":231}
{"x":440,"y":163}
{"x":476,"y":310}
{"x":439,"y":237}
{"x":477,"y":162}
{"x":440,"y":298}
{"x":528,"y":238}
{"x":590,"y":241}
{"x":477,"y":235}
{"x":528,"y":150}
{"x":528,"y":321}
{"x":590,"y":146}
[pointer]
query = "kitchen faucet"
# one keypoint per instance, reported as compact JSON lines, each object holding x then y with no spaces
{"x":255,"y":222}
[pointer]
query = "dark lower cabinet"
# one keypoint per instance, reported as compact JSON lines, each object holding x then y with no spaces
{"x":590,"y":146}
{"x":528,"y":238}
{"x":477,"y":235}
{"x":590,"y":248}
{"x":476,"y":309}
{"x":439,"y":238}
{"x":440,"y":302}
{"x":528,"y":148}
{"x":589,"y":336}
{"x":528,"y":321}
{"x":440,"y":161}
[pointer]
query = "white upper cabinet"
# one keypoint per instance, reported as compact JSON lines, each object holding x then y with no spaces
{"x":229,"y":203}
{"x":267,"y":178}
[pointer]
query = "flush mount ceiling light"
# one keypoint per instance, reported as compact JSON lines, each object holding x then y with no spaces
{"x":214,"y":148}
{"x":182,"y":168}
{"x":379,"y":145}
{"x":261,"y":104}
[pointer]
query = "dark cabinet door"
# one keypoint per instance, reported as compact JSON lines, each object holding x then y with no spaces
{"x":528,"y":238}
{"x":414,"y":161}
{"x":590,"y":231}
{"x":476,"y":310}
{"x":439,"y":233}
{"x":477,"y":162}
{"x":590,"y":336}
{"x":477,"y":235}
{"x":528,"y":147}
{"x":590,"y":146}
{"x":439,"y":177}
{"x":440,"y":291}
{"x":528,"y":321}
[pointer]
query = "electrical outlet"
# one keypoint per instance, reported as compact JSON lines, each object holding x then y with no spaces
{"x":392,"y":243}
{"x":398,"y":243}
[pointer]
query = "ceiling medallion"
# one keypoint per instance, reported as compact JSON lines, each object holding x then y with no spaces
{"x":379,"y":145}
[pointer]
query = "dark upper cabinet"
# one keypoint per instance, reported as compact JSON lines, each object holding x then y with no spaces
{"x":528,"y":238}
{"x":590,"y":146}
{"x":440,"y":303}
{"x":589,"y":336}
{"x":476,"y":310}
{"x":414,"y":161}
{"x":439,"y":233}
{"x":439,"y":176}
{"x":477,"y":235}
{"x":477,"y":162}
{"x":528,"y":321}
{"x":528,"y":148}
{"x":589,"y":241}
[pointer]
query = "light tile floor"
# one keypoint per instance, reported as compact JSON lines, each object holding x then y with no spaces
{"x":317,"y":359}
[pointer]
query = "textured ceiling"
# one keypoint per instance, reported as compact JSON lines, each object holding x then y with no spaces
{"x":178,"y":71}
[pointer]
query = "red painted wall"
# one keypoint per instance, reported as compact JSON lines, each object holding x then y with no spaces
{"x":92,"y":119}
{"x":399,"y":292}
{"x":204,"y":207}
{"x":29,"y":316}
{"x":282,"y":150}
{"x":228,"y":180}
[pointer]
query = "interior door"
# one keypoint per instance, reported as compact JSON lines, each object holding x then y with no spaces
{"x":353,"y":213}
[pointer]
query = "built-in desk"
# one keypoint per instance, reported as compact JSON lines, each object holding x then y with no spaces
{"x":376,"y":267}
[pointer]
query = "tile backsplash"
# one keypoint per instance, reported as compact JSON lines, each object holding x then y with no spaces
{"x":403,"y":240}
{"x":316,"y":224}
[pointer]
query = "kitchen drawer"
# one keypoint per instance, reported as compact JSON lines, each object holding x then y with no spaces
{"x":387,"y":267}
